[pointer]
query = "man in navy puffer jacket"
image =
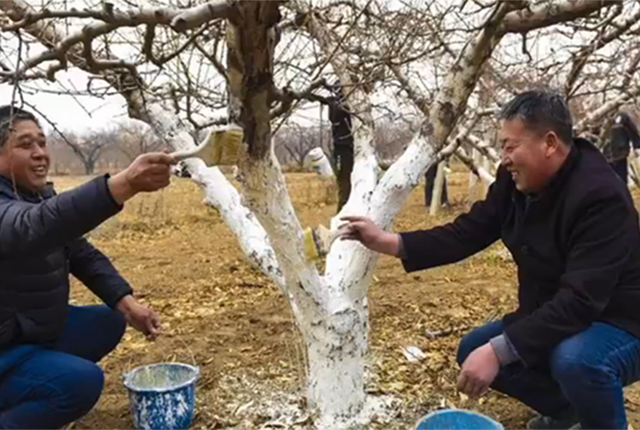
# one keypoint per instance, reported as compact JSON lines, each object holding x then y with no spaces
{"x":49,"y":349}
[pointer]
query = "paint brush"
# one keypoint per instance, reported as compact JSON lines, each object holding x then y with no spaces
{"x":318,"y":241}
{"x":222,"y":147}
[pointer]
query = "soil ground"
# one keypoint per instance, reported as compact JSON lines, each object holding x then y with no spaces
{"x":229,"y":319}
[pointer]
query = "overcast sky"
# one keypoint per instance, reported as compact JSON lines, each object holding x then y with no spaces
{"x":66,"y":111}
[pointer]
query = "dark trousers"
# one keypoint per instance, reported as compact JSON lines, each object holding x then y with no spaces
{"x":431,"y":181}
{"x":621,"y":167}
{"x":584,"y":376}
{"x":43,"y":388}
{"x":343,"y":158}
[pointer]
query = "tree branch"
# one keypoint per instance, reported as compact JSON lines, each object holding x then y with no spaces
{"x":581,"y":57}
{"x":544,"y":14}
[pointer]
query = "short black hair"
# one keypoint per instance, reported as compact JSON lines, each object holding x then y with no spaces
{"x":542,"y":111}
{"x":8,"y":116}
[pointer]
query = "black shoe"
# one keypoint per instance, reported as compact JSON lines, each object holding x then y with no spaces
{"x":548,"y":423}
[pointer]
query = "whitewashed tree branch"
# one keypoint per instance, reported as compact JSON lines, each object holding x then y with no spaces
{"x":349,"y":264}
{"x":545,"y":14}
{"x":448,"y":105}
{"x":484,"y":148}
{"x":219,"y":193}
{"x":110,"y":20}
{"x":606,"y":109}
{"x":198,"y":15}
{"x":479,"y":171}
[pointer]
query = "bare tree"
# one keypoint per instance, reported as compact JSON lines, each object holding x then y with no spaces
{"x":293,"y":142}
{"x":87,"y":147}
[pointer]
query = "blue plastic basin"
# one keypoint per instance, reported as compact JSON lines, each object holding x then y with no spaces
{"x":457,"y":419}
{"x":162,"y":396}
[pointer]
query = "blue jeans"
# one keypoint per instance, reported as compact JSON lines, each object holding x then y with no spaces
{"x":47,"y":388}
{"x":583,"y":378}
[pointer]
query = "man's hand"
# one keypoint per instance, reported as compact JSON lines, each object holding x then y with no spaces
{"x":140,"y":317}
{"x":478,"y":371}
{"x":148,"y":172}
{"x":370,"y":235}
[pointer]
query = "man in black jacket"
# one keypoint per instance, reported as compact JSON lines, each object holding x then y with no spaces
{"x":340,"y":118}
{"x":622,"y":135}
{"x":571,"y":226}
{"x":49,"y":349}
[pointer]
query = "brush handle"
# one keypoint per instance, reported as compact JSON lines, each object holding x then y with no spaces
{"x":183,"y":155}
{"x":338,"y":233}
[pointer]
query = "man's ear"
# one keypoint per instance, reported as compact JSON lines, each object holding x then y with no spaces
{"x":552,"y":142}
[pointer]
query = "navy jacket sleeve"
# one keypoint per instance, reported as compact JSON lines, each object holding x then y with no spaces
{"x":468,"y":234}
{"x":599,"y":247}
{"x":97,"y":273}
{"x":28,"y":227}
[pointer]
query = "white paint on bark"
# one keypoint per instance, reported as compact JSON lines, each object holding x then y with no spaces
{"x":333,"y":323}
{"x":220,"y":194}
{"x":473,"y":179}
{"x":485,"y":170}
{"x":438,"y":189}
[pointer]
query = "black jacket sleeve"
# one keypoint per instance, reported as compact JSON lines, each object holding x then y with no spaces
{"x":96,"y":272}
{"x":468,"y":234}
{"x":599,"y":248}
{"x":28,"y":227}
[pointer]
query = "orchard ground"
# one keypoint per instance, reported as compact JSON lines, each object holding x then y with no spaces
{"x":232,"y":322}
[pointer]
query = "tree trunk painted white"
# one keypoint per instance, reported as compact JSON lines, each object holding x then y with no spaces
{"x":438,"y":188}
{"x":634,"y":171}
{"x":473,"y":179}
{"x":336,"y":348}
{"x":487,"y":178}
{"x":332,"y":309}
{"x":332,"y":317}
{"x":486,"y":167}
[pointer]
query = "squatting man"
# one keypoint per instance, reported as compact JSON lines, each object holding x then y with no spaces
{"x":571,"y":226}
{"x":49,"y":349}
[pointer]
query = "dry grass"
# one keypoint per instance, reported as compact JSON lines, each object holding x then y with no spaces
{"x":229,"y":319}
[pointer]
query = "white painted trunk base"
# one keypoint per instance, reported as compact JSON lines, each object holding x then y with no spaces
{"x":330,"y":310}
{"x":336,"y":349}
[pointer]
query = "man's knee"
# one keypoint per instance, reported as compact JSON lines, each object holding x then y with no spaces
{"x":78,"y":389}
{"x":572,"y":368}
{"x":476,"y":338}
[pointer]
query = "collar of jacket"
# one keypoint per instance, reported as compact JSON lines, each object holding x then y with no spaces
{"x":18,"y":192}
